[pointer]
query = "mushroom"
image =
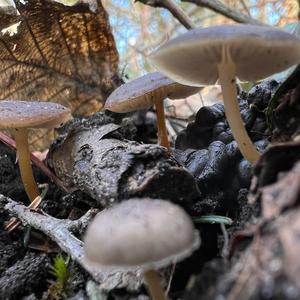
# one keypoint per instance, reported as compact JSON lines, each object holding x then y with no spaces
{"x":145,"y":91}
{"x":18,"y":116}
{"x":249,"y":52}
{"x":140,"y":234}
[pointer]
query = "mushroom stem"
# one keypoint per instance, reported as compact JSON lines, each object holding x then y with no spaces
{"x":161,"y":124}
{"x":152,"y":280}
{"x":227,"y":80}
{"x":23,"y":154}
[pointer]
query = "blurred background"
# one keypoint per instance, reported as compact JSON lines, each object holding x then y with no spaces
{"x":139,"y":28}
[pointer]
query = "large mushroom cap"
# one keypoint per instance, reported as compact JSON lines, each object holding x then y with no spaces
{"x":25,"y":114}
{"x":140,"y":233}
{"x":140,"y":93}
{"x":257,"y":51}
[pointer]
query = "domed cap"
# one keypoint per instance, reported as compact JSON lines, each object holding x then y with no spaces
{"x":257,"y":51}
{"x":140,"y":233}
{"x":140,"y":93}
{"x":25,"y":114}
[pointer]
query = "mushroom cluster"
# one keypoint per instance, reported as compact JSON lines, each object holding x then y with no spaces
{"x":143,"y":92}
{"x":248,"y":52}
{"x":141,"y":234}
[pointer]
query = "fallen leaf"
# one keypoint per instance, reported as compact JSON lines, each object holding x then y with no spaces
{"x":57,"y":53}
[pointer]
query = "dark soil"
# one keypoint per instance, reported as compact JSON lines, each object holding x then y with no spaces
{"x":207,"y":150}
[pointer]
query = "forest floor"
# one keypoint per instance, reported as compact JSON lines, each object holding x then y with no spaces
{"x":256,"y":257}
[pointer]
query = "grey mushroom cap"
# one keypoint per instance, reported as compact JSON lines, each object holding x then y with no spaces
{"x":26,"y":114}
{"x":140,"y":234}
{"x":257,"y":51}
{"x":140,"y":93}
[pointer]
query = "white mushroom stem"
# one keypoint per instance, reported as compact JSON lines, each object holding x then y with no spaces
{"x":161,"y":124}
{"x":227,"y":79}
{"x":152,"y":280}
{"x":23,"y":154}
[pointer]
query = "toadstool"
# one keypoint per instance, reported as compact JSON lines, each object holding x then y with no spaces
{"x":145,"y":91}
{"x":141,"y":234}
{"x":18,"y":116}
{"x":248,"y":52}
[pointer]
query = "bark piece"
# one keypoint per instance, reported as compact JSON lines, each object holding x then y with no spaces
{"x":109,"y":169}
{"x":24,"y":276}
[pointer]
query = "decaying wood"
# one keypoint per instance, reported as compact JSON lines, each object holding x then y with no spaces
{"x":110,"y":169}
{"x":60,"y":231}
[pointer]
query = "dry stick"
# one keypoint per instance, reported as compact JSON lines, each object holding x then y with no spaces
{"x":172,"y":132}
{"x":245,"y":7}
{"x":174,"y":9}
{"x":60,"y":232}
{"x":220,"y":8}
{"x":14,"y":222}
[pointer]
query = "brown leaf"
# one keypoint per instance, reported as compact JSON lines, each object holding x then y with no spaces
{"x":271,"y":179}
{"x":282,"y":194}
{"x":61,"y":54}
{"x":276,"y":159}
{"x":271,"y":262}
{"x":289,"y":235}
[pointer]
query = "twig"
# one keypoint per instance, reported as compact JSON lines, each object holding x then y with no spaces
{"x":59,"y":230}
{"x":220,"y":8}
{"x":173,"y":8}
{"x":245,"y":7}
{"x":14,"y":222}
{"x":171,"y":130}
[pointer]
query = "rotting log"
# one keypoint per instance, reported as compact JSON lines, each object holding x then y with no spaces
{"x":99,"y":161}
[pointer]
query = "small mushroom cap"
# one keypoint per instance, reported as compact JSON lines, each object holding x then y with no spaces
{"x":258,"y":51}
{"x":25,"y":114}
{"x":140,"y":93}
{"x":140,"y":234}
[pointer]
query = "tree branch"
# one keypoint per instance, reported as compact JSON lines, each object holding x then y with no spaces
{"x":59,"y":231}
{"x":220,"y":8}
{"x":174,"y":9}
